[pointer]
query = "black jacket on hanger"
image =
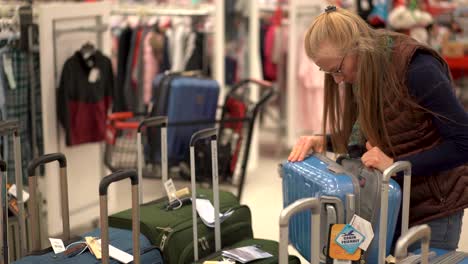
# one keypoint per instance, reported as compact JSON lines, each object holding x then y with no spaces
{"x":83,"y":104}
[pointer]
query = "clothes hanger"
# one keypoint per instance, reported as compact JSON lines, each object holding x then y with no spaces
{"x":87,"y":50}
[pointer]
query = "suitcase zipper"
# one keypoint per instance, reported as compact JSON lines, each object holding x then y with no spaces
{"x":165,"y":236}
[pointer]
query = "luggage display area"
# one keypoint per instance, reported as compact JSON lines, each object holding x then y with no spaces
{"x":233,"y":131}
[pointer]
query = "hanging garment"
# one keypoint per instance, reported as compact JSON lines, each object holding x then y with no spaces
{"x":270,"y":68}
{"x":151,"y":66}
{"x":138,"y":74}
{"x":195,"y":62}
{"x":16,"y":84}
{"x":130,"y":84}
{"x":310,"y":93}
{"x":125,"y":40}
{"x":83,"y":101}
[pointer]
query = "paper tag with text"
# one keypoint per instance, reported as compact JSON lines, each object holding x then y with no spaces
{"x":57,"y":245}
{"x":13,"y":191}
{"x":364,"y":227}
{"x":94,"y":75}
{"x":170,"y":190}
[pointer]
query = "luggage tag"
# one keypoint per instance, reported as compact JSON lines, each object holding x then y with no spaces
{"x":350,"y":239}
{"x":337,"y":254}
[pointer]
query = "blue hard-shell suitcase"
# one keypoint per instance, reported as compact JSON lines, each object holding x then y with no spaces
{"x":182,"y":99}
{"x":340,"y":191}
{"x":119,"y":238}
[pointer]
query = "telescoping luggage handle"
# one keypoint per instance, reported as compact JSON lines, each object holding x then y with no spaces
{"x":11,"y":127}
{"x":312,"y":204}
{"x":212,"y":134}
{"x":414,"y":234}
{"x":103,"y":187}
{"x":157,"y":121}
{"x":33,"y":206}
{"x":399,"y":166}
{"x":3,"y":213}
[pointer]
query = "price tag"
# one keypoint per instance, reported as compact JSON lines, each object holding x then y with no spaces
{"x":13,"y":191}
{"x":364,"y":227}
{"x":57,"y":245}
{"x":335,"y":251}
{"x":170,"y":190}
{"x":94,"y":75}
{"x":8,"y":69}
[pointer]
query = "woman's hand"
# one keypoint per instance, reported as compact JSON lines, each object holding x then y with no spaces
{"x":304,"y":145}
{"x":376,"y":158}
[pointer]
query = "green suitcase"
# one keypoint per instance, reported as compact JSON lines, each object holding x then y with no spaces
{"x":171,"y":230}
{"x":265,"y":245}
{"x":280,"y":251}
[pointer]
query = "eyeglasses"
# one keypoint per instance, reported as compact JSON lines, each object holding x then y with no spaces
{"x":338,"y":71}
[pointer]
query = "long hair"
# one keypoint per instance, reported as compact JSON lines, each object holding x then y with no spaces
{"x":376,"y":79}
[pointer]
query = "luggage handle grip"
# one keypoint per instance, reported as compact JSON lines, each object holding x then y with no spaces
{"x":103,"y":186}
{"x":202,"y":134}
{"x":262,"y":83}
{"x":414,"y":234}
{"x":157,"y":121}
{"x":338,"y":205}
{"x":3,"y":166}
{"x":120,"y":116}
{"x":398,"y":166}
{"x":9,"y":127}
{"x":44,"y":159}
{"x":115,"y":177}
{"x":312,"y":204}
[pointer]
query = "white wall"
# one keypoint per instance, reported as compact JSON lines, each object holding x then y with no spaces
{"x":85,"y":162}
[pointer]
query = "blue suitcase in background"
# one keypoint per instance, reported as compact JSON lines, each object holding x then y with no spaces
{"x":319,"y":176}
{"x":182,"y":99}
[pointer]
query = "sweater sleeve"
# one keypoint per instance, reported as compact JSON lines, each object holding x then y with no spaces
{"x":428,"y":83}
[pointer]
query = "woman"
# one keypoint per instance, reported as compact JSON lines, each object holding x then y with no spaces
{"x":393,"y":95}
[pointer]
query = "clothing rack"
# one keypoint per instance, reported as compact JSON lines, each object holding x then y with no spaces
{"x":216,"y":10}
{"x":163,"y":10}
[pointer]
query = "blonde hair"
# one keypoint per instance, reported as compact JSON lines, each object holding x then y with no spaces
{"x":376,"y":79}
